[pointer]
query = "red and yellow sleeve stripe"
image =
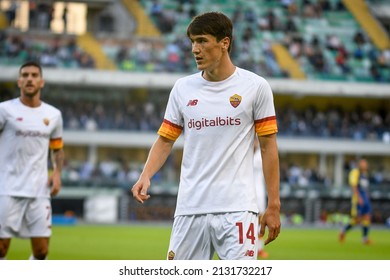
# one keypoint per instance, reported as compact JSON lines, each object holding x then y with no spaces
{"x":266,"y":126}
{"x":56,"y":144}
{"x":170,"y":130}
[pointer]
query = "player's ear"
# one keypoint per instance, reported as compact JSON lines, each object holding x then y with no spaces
{"x":225,"y":43}
{"x":19,"y":82}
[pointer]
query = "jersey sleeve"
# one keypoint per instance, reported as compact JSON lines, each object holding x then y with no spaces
{"x":264,"y":111}
{"x":172,"y":125}
{"x":56,"y":141}
{"x":353,"y":178}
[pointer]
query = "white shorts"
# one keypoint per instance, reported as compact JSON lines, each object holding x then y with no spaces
{"x":25,"y":217}
{"x":233,"y":236}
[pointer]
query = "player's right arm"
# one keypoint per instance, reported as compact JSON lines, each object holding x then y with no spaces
{"x":270,"y":158}
{"x":57,"y":157}
{"x":158,"y":154}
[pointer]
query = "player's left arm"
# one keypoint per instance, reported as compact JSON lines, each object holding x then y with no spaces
{"x":353,"y":180}
{"x":57,"y":158}
{"x":270,"y":159}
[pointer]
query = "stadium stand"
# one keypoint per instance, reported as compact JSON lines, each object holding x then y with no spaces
{"x":304,"y":30}
{"x":62,"y":51}
{"x":329,"y":75}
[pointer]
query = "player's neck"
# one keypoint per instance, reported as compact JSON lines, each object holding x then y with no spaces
{"x":33,"y":101}
{"x":223,"y":71}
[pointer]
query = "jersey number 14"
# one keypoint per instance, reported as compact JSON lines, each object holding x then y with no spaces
{"x":250,"y":233}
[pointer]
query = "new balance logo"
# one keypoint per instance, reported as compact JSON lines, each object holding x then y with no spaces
{"x":192,"y":102}
{"x":250,"y":253}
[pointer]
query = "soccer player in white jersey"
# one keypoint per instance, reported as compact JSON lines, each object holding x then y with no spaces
{"x":28,"y":129}
{"x":218,"y":110}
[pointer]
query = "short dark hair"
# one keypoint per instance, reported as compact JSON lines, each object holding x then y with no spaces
{"x":31,"y":63}
{"x":216,"y":24}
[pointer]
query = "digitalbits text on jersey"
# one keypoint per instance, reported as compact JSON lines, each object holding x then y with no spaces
{"x":218,"y":121}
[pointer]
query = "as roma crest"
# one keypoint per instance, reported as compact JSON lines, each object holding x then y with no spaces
{"x":235,"y":100}
{"x":46,"y":121}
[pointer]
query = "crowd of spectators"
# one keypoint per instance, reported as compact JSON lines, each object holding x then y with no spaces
{"x":121,"y":173}
{"x":50,"y":51}
{"x":330,"y":57}
{"x":321,"y":53}
{"x":115,"y":173}
{"x":296,"y":175}
{"x":151,"y":55}
{"x":119,"y":115}
{"x":332,"y":122}
{"x":336,"y":122}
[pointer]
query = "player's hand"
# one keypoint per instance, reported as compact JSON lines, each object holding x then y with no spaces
{"x":55,"y":183}
{"x":271,"y":220}
{"x":140,"y":190}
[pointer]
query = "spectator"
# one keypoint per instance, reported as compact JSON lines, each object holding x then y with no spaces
{"x":157,"y":9}
{"x":333,"y":42}
{"x":273,"y":22}
{"x":290,"y":26}
{"x":290,"y":6}
{"x":249,"y":16}
{"x":342,"y":60}
{"x":11,"y":13}
{"x":32,"y":14}
{"x":65,"y":19}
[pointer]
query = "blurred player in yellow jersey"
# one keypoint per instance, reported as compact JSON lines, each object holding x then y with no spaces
{"x":361,"y":205}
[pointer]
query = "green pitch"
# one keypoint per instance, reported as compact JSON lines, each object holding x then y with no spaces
{"x":149,"y":242}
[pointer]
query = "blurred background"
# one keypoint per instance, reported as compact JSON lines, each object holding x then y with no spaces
{"x":109,"y":66}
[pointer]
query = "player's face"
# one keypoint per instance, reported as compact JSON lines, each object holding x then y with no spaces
{"x":207,"y":51}
{"x":363,"y":165}
{"x":30,"y":81}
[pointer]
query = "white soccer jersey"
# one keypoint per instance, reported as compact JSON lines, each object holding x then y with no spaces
{"x":25,"y":137}
{"x":219,"y":120}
